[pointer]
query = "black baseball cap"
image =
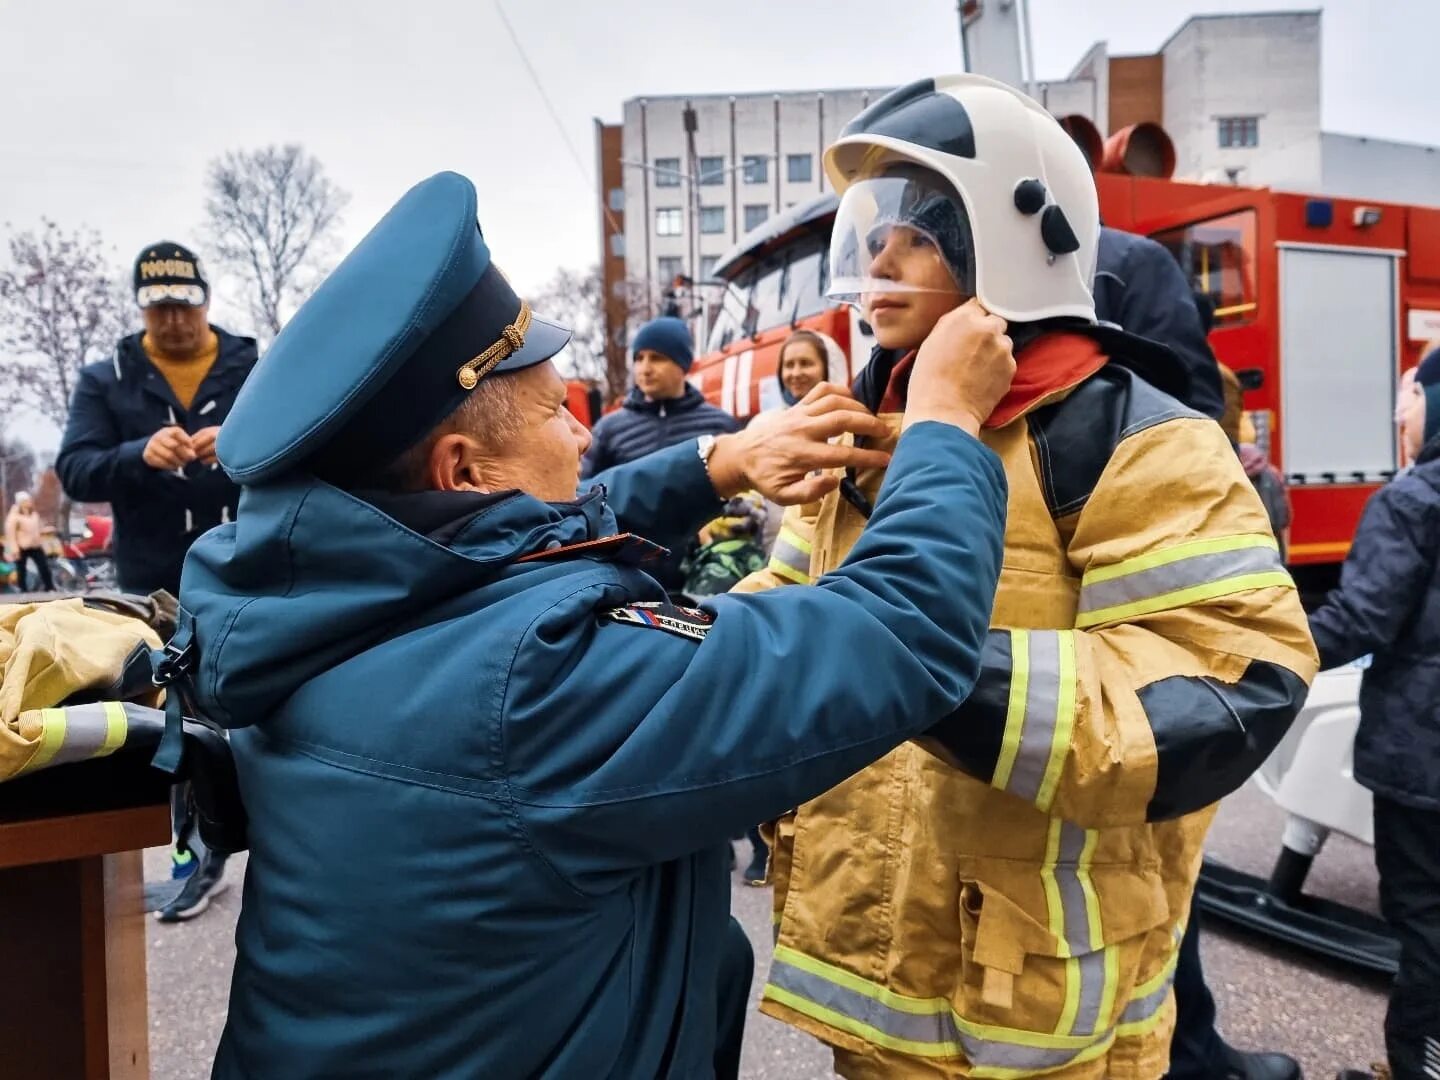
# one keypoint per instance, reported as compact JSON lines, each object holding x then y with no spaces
{"x":169,"y":273}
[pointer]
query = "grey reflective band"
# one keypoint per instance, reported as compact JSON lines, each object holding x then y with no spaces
{"x":1041,"y":716}
{"x":924,"y":1028}
{"x":790,"y":557}
{"x":1175,"y":577}
{"x":78,"y":733}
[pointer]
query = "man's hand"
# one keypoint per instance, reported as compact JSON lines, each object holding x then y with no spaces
{"x":776,"y":454}
{"x":963,"y":370}
{"x":203,"y":443}
{"x":169,"y":448}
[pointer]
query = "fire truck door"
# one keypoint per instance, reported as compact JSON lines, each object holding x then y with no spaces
{"x":1338,"y":359}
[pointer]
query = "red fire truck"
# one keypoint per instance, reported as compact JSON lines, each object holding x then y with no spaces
{"x":1323,"y":301}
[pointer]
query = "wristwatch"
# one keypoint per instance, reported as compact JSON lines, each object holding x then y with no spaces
{"x":705,"y":446}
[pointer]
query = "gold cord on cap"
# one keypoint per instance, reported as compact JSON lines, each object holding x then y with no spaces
{"x":512,"y":339}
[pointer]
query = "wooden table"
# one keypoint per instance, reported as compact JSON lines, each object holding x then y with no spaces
{"x":72,"y":923}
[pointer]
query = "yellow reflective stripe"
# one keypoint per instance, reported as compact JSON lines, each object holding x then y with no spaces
{"x":1064,"y":722}
{"x":1066,"y":1024}
{"x":926,"y":1028}
{"x":52,"y":737}
{"x":1015,"y":714}
{"x":788,"y":572}
{"x":795,"y":539}
{"x":1112,"y":985}
{"x":116,"y":727}
{"x":1055,"y":910}
{"x":1092,"y":899}
{"x":925,"y":1006}
{"x":1185,"y":597}
{"x":870,"y":1034}
{"x":1165,"y":556}
{"x":841,"y":977}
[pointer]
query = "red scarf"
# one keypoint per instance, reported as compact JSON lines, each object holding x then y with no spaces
{"x":1048,"y":365}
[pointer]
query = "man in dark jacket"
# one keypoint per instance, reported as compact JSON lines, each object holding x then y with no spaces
{"x":1388,"y":606}
{"x":1139,"y":286}
{"x":141,"y":436}
{"x":663,"y":409}
{"x":141,"y":433}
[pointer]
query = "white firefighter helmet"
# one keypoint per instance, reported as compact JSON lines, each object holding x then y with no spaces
{"x":1025,"y":236}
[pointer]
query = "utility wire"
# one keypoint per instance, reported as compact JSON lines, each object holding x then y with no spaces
{"x":554,"y":115}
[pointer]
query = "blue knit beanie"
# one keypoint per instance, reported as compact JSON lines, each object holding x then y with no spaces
{"x":667,"y":336}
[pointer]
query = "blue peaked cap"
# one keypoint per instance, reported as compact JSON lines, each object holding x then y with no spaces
{"x":389,"y":345}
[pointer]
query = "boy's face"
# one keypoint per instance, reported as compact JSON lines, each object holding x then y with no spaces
{"x":902,"y":320}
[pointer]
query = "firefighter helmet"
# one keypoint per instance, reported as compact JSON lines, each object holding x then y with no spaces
{"x":989,"y":177}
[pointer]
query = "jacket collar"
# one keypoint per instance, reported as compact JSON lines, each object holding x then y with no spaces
{"x":690,"y":399}
{"x":237,"y":354}
{"x":1051,"y":365}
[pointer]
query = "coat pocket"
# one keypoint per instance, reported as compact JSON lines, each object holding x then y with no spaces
{"x":1051,"y":957}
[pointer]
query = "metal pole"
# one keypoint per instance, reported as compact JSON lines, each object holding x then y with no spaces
{"x":1025,"y":43}
{"x":964,"y":44}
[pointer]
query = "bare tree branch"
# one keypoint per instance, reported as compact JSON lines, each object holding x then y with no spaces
{"x":271,"y":217}
{"x":60,"y":308}
{"x":576,"y":299}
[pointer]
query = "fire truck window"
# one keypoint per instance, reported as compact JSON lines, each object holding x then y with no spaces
{"x":807,"y":283}
{"x":1218,"y":256}
{"x":730,"y":312}
{"x":767,"y":299}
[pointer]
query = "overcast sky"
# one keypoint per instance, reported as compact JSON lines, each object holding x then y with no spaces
{"x":110,"y":109}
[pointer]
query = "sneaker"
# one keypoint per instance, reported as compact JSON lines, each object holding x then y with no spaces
{"x":182,"y":866}
{"x":202,"y":886}
{"x":757,"y":873}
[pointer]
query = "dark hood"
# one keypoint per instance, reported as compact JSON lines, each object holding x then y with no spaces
{"x":309,"y":575}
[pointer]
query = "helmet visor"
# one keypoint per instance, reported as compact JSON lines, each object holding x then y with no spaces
{"x":891,"y":234}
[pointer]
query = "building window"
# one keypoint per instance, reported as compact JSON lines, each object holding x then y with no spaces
{"x":1239,"y":131}
{"x":757,"y":169}
{"x":667,"y":171}
{"x":755,"y":214}
{"x":797,"y":168}
{"x":668,"y":223}
{"x":707,"y":266}
{"x":617,"y":245}
{"x":712,"y":219}
{"x":617,"y":199}
{"x":668,"y":268}
{"x":712,"y":171}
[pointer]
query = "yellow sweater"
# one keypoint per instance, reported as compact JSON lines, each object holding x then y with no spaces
{"x":184,"y":376}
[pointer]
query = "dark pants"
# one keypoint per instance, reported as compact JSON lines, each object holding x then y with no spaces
{"x":42,"y":567}
{"x":1407,"y":854}
{"x":732,"y":998}
{"x":1197,"y":1049}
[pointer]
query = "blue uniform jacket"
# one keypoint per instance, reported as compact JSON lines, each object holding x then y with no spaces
{"x":118,"y":404}
{"x":489,"y":798}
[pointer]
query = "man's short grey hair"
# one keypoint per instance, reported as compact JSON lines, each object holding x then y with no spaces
{"x":489,"y":415}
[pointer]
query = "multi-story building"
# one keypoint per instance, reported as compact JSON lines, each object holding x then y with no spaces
{"x":685,"y":176}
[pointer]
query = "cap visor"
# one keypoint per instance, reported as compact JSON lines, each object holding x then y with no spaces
{"x":543,"y":340}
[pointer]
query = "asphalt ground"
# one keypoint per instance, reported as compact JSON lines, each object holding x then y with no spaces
{"x":1269,"y":996}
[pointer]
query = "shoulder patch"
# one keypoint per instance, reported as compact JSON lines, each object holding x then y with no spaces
{"x":683,"y":621}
